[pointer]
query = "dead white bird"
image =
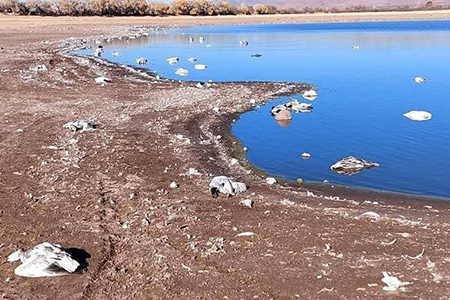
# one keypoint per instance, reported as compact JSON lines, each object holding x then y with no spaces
{"x":38,"y":68}
{"x":418,"y":115}
{"x":141,"y":61}
{"x":310,"y":95}
{"x":98,"y":52}
{"x":44,"y":260}
{"x":276,"y":109}
{"x":115,"y":53}
{"x":419,"y":79}
{"x":82,"y":125}
{"x":172,"y":60}
{"x":393,"y":283}
{"x":192,"y":59}
{"x":181,"y":72}
{"x":200,"y":67}
{"x":226,"y":185}
{"x":203,"y":85}
{"x":352,"y":165}
{"x":102,"y":79}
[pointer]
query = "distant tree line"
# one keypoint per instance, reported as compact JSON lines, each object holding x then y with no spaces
{"x":129,"y":8}
{"x":176,"y":7}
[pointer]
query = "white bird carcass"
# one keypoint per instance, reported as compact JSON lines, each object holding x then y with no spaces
{"x":226,"y":185}
{"x":200,"y":67}
{"x":44,"y":260}
{"x":141,"y":61}
{"x":181,"y":72}
{"x":102,"y":79}
{"x":172,"y":60}
{"x":418,"y":115}
{"x":419,"y":79}
{"x":82,"y":125}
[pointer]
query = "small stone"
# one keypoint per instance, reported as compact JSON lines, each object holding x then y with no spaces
{"x":306,"y":155}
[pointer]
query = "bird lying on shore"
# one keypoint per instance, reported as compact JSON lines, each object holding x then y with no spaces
{"x":226,"y":185}
{"x":44,"y":260}
{"x":141,"y":61}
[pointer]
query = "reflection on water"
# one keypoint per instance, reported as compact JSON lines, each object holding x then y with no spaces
{"x":363,"y":95}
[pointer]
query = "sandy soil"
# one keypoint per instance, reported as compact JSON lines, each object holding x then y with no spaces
{"x":107,"y":191}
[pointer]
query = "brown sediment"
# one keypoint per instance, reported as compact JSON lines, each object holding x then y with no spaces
{"x":108,"y":191}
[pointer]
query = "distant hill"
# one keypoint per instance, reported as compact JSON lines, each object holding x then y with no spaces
{"x":342,"y":4}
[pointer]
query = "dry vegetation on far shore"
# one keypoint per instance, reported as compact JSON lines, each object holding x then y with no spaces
{"x":176,"y":7}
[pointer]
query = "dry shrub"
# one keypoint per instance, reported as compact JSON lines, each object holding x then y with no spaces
{"x":125,"y":8}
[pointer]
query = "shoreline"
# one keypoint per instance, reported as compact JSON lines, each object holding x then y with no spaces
{"x":108,"y":191}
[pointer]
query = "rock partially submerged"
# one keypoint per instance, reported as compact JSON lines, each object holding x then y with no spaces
{"x":352,"y":165}
{"x":283,"y":115}
{"x":292,"y":105}
{"x":226,"y":185}
{"x":44,"y":260}
{"x":83,"y":125}
{"x":418,"y":115}
{"x":310,"y":95}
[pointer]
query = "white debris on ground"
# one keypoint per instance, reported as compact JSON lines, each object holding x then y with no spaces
{"x":248,"y":233}
{"x":102,"y":79}
{"x":372,"y":215}
{"x":203,"y":85}
{"x":39,"y":68}
{"x":247,"y":202}
{"x":226,"y":185}
{"x":182,"y":72}
{"x":351,"y":165}
{"x":83,"y":125}
{"x":44,"y":260}
{"x":393,"y":283}
{"x":193,"y":171}
{"x":418,"y":115}
{"x":271,"y":180}
{"x":173,"y":185}
{"x":419,"y":79}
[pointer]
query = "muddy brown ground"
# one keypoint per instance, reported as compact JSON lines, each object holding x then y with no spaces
{"x":107,"y":191}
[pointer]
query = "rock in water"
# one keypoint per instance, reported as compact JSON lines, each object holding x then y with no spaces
{"x":310,"y":95}
{"x":352,"y":165}
{"x":418,"y":115}
{"x":226,"y":185}
{"x":283,"y":115}
{"x":44,"y":260}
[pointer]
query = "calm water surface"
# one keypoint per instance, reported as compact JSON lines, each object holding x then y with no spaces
{"x":362,"y":95}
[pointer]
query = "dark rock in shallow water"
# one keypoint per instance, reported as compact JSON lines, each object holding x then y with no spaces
{"x":352,"y":165}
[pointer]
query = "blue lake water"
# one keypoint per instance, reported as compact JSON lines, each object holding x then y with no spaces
{"x":363,"y":95}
